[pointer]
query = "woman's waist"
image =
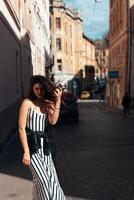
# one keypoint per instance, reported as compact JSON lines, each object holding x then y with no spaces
{"x":40,"y":133}
{"x":34,"y":141}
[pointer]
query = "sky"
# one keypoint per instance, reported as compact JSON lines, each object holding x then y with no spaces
{"x":95,"y":16}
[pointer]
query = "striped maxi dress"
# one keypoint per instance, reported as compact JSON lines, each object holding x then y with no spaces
{"x":45,"y":181}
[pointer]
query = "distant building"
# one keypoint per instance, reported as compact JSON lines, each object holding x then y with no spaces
{"x":88,"y":55}
{"x":102,"y":58}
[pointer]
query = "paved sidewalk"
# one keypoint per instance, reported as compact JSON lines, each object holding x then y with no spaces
{"x":15,"y":179}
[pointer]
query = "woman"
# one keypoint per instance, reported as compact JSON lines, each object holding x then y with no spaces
{"x":43,"y":103}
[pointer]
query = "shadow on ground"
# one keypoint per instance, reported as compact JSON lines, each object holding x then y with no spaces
{"x":10,"y":159}
{"x":94,"y":158}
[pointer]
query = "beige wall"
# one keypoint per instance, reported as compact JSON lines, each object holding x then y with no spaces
{"x":66,"y":42}
{"x":36,"y":24}
{"x":16,"y":7}
{"x":78,"y":31}
{"x":71,"y":41}
{"x":88,"y":55}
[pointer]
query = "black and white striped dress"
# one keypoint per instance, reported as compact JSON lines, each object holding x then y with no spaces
{"x":45,"y":181}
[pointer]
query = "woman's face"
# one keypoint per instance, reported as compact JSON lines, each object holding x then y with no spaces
{"x":38,"y":91}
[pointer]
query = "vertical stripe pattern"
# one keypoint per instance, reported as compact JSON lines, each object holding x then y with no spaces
{"x":45,"y":181}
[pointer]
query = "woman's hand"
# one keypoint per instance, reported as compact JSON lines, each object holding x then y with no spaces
{"x":26,"y":158}
{"x":58,"y":93}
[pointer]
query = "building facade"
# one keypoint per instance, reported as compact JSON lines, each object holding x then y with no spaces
{"x":102,"y":58}
{"x":118,"y":79}
{"x":121,"y":68}
{"x":131,"y":47}
{"x":24,"y":51}
{"x":88,"y":55}
{"x":66,"y":35}
{"x":36,"y":31}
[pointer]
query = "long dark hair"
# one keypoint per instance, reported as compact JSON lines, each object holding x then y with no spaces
{"x":46,"y":85}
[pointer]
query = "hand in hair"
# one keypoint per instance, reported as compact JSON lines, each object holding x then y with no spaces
{"x":58,"y":93}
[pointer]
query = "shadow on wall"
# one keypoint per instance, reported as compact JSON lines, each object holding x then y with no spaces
{"x":27,"y":67}
{"x":15,"y":70}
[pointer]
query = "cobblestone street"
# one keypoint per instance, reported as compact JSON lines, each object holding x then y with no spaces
{"x":94,"y":159}
{"x":97,"y":155}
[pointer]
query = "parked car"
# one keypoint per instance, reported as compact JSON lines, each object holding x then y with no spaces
{"x":69,"y":108}
{"x":85,"y":95}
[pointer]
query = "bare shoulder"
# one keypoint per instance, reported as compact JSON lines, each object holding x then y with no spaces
{"x":25,"y":106}
{"x":26,"y":103}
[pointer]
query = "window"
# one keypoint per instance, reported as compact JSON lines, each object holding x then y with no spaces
{"x":66,"y":48}
{"x":70,"y":31}
{"x":97,"y":71}
{"x":71,"y":50}
{"x":59,"y":62}
{"x":58,"y":23}
{"x":60,"y":68}
{"x":65,"y":28}
{"x":96,"y":53}
{"x":58,"y":43}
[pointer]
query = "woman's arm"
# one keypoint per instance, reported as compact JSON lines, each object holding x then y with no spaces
{"x":53,"y":113}
{"x":22,"y":133}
